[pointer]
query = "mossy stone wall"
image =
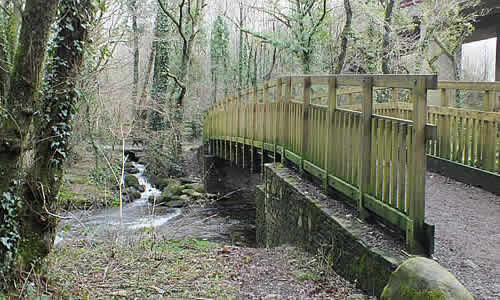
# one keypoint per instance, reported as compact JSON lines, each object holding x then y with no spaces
{"x":286,"y":215}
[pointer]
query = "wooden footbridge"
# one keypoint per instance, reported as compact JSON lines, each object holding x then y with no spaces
{"x":366,"y":136}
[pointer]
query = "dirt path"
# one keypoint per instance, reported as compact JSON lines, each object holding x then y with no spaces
{"x":467,"y":240}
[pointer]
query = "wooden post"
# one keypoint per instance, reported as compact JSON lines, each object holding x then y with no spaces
{"x":418,"y":165}
{"x":254,"y":121}
{"x":278,"y":112}
{"x":305,"y":120}
{"x":286,"y":121}
{"x":489,"y":155}
{"x":445,"y":134}
{"x":366,"y":143}
{"x":238,"y":126}
{"x":226,"y":126}
{"x":231,"y":130}
{"x":265,"y":100}
{"x":350,"y":98}
{"x":332,"y":106}
{"x":244,"y":109}
{"x":395,"y":96}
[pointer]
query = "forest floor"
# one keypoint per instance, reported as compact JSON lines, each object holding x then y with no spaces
{"x":150,"y":266}
{"x":187,"y":269}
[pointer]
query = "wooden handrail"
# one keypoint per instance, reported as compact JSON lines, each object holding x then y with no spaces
{"x":376,"y":160}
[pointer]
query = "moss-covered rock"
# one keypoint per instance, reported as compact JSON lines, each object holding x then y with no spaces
{"x":133,"y":195}
{"x":131,"y":181}
{"x":161,"y":183}
{"x":192,"y":193}
{"x":174,"y":187}
{"x":421,"y":278}
{"x":187,"y":180}
{"x":176,"y":204}
{"x":196,"y":186}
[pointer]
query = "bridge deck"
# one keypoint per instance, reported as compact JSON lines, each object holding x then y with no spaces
{"x":467,"y":240}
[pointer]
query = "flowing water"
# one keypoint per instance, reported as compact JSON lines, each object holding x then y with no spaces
{"x":225,"y":222}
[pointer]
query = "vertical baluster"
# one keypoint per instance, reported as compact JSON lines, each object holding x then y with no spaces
{"x":387,"y":160}
{"x":402,"y":166}
{"x":366,"y":142}
{"x":373,"y":160}
{"x":305,"y":121}
{"x":380,"y":157}
{"x":490,"y":134}
{"x":394,"y":164}
{"x":332,"y":106}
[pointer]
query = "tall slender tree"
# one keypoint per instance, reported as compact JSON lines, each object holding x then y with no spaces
{"x":219,"y":54}
{"x":17,"y":115}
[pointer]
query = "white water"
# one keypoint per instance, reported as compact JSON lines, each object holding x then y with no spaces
{"x":106,"y":223}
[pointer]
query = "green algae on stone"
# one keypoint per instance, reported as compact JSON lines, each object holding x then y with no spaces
{"x":420,"y":278}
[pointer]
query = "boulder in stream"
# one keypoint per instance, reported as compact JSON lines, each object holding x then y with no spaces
{"x":192,"y":193}
{"x":131,"y":181}
{"x":198,"y":187}
{"x":174,"y":187}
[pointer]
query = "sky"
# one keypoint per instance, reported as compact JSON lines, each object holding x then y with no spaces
{"x":480,"y":57}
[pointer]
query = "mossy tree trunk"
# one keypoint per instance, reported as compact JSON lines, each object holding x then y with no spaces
{"x":10,"y":20}
{"x":53,"y":130}
{"x":16,"y":118}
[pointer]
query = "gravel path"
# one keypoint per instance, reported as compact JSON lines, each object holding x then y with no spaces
{"x":467,"y":238}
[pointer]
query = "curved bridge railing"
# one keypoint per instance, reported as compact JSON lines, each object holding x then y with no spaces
{"x":377,"y":161}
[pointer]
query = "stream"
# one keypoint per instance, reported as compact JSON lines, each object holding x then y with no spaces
{"x":226,"y":222}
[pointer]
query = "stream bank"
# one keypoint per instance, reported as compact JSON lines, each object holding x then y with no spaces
{"x":225,"y":220}
{"x":192,"y":252}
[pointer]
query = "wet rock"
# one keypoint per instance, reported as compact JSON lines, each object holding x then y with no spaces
{"x":357,"y":297}
{"x":176,"y":204}
{"x":423,"y":278}
{"x":185,"y":198}
{"x":160,"y":183}
{"x":131,"y":181}
{"x":192,"y":193}
{"x":174,"y":187}
{"x":141,"y":188}
{"x":198,"y":187}
{"x":210,"y":196}
{"x":187,"y":180}
{"x":133,"y":195}
{"x":130,"y":168}
{"x":130,"y":194}
{"x":132,"y":171}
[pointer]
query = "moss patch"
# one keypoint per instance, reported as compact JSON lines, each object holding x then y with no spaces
{"x":412,"y":294}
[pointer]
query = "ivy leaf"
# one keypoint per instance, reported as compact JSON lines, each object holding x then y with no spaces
{"x":5,"y":242}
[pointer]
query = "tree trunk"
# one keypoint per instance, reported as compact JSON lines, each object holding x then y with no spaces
{"x":135,"y":80}
{"x":11,"y":20}
{"x":20,"y":103}
{"x":141,"y":110}
{"x":386,"y":43}
{"x":53,"y":130}
{"x":345,"y":32}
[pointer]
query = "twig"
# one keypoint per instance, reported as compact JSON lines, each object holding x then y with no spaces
{"x":229,"y":194}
